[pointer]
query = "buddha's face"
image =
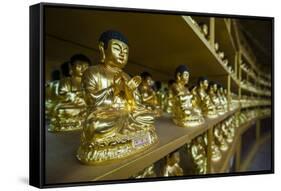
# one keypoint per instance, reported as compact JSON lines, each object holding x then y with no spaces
{"x":149,"y":81}
{"x":183,"y":77}
{"x":205,"y":84}
{"x":215,"y":87}
{"x":117,"y":53}
{"x":199,"y":139}
{"x":78,"y":68}
{"x":174,"y":158}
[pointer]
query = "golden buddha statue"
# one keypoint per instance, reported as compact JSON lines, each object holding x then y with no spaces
{"x":204,"y":29}
{"x":70,"y":109}
{"x":213,"y":88}
{"x":172,"y":166}
{"x":228,"y":129}
{"x":160,"y":94}
{"x":195,"y":100}
{"x":219,"y":138}
{"x":52,"y":92}
{"x":197,"y":148}
{"x":148,"y":172}
{"x":207,"y":106}
{"x":117,"y":125}
{"x":222,"y":97}
{"x":216,"y":153}
{"x":169,"y":98}
{"x":148,"y":94}
{"x":183,"y":112}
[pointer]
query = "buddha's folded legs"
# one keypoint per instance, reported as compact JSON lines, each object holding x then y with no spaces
{"x":111,"y":134}
{"x":104,"y":122}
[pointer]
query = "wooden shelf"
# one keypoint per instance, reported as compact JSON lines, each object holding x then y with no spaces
{"x":257,"y":79}
{"x":64,"y":167}
{"x":222,"y":166}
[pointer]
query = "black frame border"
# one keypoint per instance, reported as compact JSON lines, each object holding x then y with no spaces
{"x":37,"y":94}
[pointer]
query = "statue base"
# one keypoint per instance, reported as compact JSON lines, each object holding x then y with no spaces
{"x":117,"y":147}
{"x":189,"y":122}
{"x":63,"y":126}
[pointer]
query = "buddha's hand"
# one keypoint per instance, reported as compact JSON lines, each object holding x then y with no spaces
{"x":134,"y":82}
{"x":118,"y":84}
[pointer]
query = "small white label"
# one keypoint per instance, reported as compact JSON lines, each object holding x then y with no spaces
{"x":142,"y":140}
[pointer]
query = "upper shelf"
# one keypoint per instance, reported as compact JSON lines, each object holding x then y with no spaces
{"x":158,"y":43}
{"x":224,"y":38}
{"x":246,"y":51}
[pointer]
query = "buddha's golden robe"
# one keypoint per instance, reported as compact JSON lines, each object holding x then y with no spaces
{"x":149,"y":99}
{"x":219,"y":139}
{"x":52,"y":93}
{"x":199,"y":155}
{"x":183,"y":111}
{"x":115,"y":126}
{"x":208,"y":108}
{"x":217,"y":102}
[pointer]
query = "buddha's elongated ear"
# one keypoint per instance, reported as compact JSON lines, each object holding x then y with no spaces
{"x":102,"y":52}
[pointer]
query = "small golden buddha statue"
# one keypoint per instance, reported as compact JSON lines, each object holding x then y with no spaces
{"x":184,"y":114}
{"x":52,"y":92}
{"x":206,"y":104}
{"x":213,"y":88}
{"x":169,"y":98}
{"x":195,"y":100}
{"x":204,"y":29}
{"x":197,"y":148}
{"x":148,"y":94}
{"x":172,"y":166}
{"x":222,"y":97}
{"x":216,"y":153}
{"x":225,"y":131}
{"x":217,"y":46}
{"x":221,"y":55}
{"x":160,"y":94}
{"x":219,"y":138}
{"x":228,"y":129}
{"x":117,"y":124}
{"x":148,"y":172}
{"x":70,"y":108}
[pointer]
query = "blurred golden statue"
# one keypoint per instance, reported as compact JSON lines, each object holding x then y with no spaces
{"x":213,"y":93}
{"x":172,"y":166}
{"x":52,"y":93}
{"x":207,"y":106}
{"x":216,"y":153}
{"x":148,"y":94}
{"x":222,"y":94}
{"x":195,"y":100}
{"x":184,"y":114}
{"x":70,"y":109}
{"x":117,"y":125}
{"x":198,"y":151}
{"x":169,"y":98}
{"x":160,"y":94}
{"x":219,"y":138}
{"x":148,"y":172}
{"x":228,"y":129}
